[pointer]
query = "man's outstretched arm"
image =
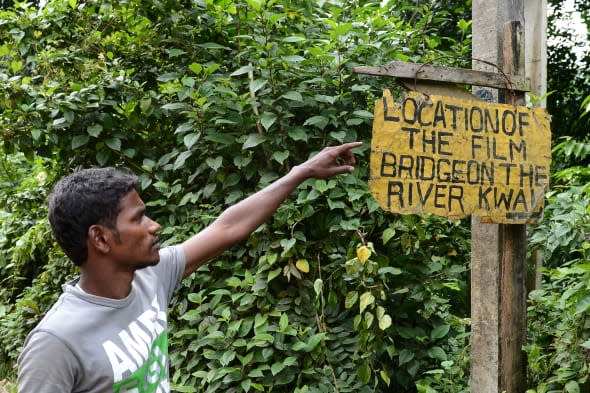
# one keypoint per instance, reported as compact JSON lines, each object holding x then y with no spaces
{"x":240,"y":220}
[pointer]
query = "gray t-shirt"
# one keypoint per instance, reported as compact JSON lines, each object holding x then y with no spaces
{"x":92,"y":344}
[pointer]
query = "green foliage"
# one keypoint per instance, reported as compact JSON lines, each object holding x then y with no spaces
{"x":568,"y":58}
{"x":559,"y":330}
{"x":207,"y":102}
{"x":31,"y":269}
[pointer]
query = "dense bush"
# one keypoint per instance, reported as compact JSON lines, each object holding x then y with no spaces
{"x":559,"y":329}
{"x":207,"y":102}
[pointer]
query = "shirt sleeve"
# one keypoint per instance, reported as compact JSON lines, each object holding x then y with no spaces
{"x":170,"y":268}
{"x":46,"y":365}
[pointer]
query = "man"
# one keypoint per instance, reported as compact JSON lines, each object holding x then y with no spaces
{"x":108,"y":330}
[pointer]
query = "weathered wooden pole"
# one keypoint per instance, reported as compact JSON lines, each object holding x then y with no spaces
{"x":535,"y":15}
{"x":498,"y":251}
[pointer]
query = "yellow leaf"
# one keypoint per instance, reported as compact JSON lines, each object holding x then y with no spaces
{"x":302,"y":265}
{"x":363,"y":253}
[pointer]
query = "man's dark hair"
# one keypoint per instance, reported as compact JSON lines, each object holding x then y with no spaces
{"x":85,"y":198}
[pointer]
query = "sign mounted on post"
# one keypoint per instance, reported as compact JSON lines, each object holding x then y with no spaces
{"x":456,"y":157}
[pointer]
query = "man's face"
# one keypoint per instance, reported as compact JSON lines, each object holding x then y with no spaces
{"x":137,"y":245}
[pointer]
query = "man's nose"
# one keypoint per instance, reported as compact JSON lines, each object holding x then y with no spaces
{"x":153,"y":226}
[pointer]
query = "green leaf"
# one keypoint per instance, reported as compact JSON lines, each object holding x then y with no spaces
{"x":242,"y":70}
{"x":298,"y":134}
{"x":363,"y":114}
{"x":405,"y":356}
{"x":221,"y":138}
{"x":94,"y":130}
{"x":280,"y":156}
{"x":298,"y":346}
{"x":212,"y":45}
{"x":185,"y":127}
{"x":257,"y":84}
{"x":246,"y":359}
{"x":190,"y":139}
{"x":245,"y":384}
{"x":464,"y":25}
{"x":60,"y":122}
{"x":338,"y":135}
{"x":364,"y":373}
{"x":293,"y":58}
{"x":273,"y":274}
{"x":390,"y":270}
{"x":287,"y":244}
{"x":227,"y":357}
{"x":170,"y":76}
{"x":572,"y":387}
{"x":314,"y":341}
{"x":368,"y":319}
{"x":253,"y":140}
{"x":174,"y":106}
{"x":440,"y":331}
{"x":268,"y":119}
{"x":317,"y":286}
{"x":294,"y":39}
{"x":277,"y":368}
{"x":196,"y":68}
{"x":16,"y":66}
{"x":79,"y":141}
{"x":293,"y":95}
{"x":283,"y":322}
{"x":263,"y":339}
{"x":130,"y":153}
{"x":353,"y":266}
{"x":214,"y":163}
{"x":583,"y":305}
{"x":351,"y":299}
{"x":290,"y":361}
{"x":191,"y":315}
{"x":387,"y":235}
{"x":256,"y":373}
{"x":437,"y":353}
{"x":102,"y":157}
{"x":318,"y":121}
{"x":175,"y":52}
{"x":114,"y":143}
{"x":182,"y":157}
{"x":385,"y":377}
{"x":184,"y":389}
{"x":366,"y":300}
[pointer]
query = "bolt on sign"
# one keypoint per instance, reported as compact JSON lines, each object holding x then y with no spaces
{"x":455,"y":157}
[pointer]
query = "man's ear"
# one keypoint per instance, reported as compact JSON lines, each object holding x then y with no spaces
{"x":99,"y":238}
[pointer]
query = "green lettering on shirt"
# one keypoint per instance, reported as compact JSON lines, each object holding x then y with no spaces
{"x":152,"y":374}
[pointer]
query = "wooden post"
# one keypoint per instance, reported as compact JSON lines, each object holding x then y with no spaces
{"x":535,"y":12}
{"x":536,"y":48}
{"x":498,"y":266}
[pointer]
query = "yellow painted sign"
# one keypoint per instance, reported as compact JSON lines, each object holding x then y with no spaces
{"x":455,"y":157}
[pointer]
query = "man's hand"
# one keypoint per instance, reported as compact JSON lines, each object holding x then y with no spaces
{"x":330,"y":161}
